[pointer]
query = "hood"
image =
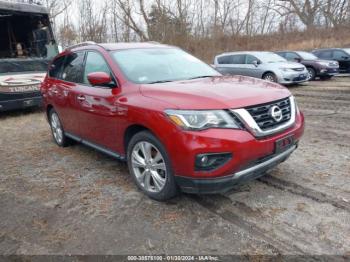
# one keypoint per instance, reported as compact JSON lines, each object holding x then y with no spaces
{"x":288,"y":64}
{"x":221,"y":92}
{"x":19,"y":83}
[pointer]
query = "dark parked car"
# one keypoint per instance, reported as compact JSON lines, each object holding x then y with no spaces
{"x":316,"y":67}
{"x":341,"y":55}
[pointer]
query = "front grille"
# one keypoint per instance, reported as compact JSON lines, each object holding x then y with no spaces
{"x":298,"y":69}
{"x":263,"y":118}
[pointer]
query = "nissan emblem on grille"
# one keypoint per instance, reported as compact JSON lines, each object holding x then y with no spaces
{"x":276,"y":113}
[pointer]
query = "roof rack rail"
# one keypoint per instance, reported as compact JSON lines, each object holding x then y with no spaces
{"x":81,"y":44}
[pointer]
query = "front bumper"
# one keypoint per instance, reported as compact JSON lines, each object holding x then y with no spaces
{"x":328,"y":72}
{"x":292,"y":77}
{"x":223,"y":184}
{"x":7,"y":105}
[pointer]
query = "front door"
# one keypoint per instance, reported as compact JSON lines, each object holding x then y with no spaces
{"x":98,"y":108}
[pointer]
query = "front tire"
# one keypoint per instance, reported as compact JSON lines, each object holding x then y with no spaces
{"x":326,"y":77}
{"x":150,"y":167}
{"x":271,"y":77}
{"x":57,"y":129}
{"x":311,"y":74}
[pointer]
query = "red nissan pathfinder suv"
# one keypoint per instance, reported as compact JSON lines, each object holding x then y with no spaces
{"x":177,"y":122}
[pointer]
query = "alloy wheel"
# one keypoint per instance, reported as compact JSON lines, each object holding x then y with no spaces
{"x":56,"y":128}
{"x":310,"y":74}
{"x":149,"y":166}
{"x":270,"y":78}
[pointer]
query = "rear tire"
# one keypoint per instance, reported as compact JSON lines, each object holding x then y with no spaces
{"x":271,"y":77}
{"x":57,"y":130}
{"x":311,"y":73}
{"x":150,"y":167}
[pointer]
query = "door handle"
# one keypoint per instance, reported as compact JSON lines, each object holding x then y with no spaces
{"x":81,"y":98}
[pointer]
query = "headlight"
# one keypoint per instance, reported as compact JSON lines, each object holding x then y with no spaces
{"x":286,"y":69}
{"x":199,"y":120}
{"x":323,"y":63}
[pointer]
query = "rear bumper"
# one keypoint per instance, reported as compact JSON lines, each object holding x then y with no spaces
{"x":8,"y":105}
{"x":223,"y":184}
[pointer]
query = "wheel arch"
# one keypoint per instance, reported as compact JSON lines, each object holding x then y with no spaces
{"x":48,"y":108}
{"x":268,"y":72}
{"x":132,"y":130}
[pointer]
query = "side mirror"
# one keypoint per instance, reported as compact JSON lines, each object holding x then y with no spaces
{"x":256,"y":63}
{"x":297,"y":60}
{"x":99,"y":78}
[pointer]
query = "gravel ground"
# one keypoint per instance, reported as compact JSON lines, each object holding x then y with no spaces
{"x":78,"y":201}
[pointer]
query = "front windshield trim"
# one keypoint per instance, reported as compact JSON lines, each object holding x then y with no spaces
{"x":113,"y":52}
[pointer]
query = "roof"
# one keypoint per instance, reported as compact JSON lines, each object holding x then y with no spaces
{"x":22,"y":7}
{"x":255,"y":53}
{"x":119,"y":46}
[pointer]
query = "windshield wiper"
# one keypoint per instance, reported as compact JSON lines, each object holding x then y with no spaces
{"x":196,"y":77}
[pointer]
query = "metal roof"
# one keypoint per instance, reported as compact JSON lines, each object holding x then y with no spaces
{"x":22,"y":6}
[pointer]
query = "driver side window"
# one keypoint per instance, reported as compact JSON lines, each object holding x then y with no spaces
{"x":96,"y":63}
{"x":251,"y":59}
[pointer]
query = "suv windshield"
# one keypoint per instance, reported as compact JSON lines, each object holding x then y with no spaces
{"x":307,"y":56}
{"x":20,"y":66}
{"x":267,"y":57}
{"x":155,"y":65}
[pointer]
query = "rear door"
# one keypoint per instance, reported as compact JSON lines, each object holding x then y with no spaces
{"x":231,"y":64}
{"x":98,"y":114}
{"x":62,"y":74}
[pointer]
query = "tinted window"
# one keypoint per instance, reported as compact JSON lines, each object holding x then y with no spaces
{"x":324,"y":54}
{"x":95,"y":63}
{"x":19,"y":66}
{"x":251,"y":59}
{"x":238,"y":59}
{"x":225,"y":60}
{"x":73,"y":67}
{"x":339,"y":55}
{"x":291,"y":56}
{"x":56,"y":67}
{"x":282,"y":54}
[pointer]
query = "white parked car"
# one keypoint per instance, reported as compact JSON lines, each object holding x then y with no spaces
{"x":265,"y":65}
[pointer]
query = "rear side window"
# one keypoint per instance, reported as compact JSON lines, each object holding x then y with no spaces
{"x":73,"y":67}
{"x":222,"y":60}
{"x":95,"y":63}
{"x":56,"y":67}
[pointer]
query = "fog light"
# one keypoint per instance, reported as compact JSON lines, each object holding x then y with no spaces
{"x":323,"y":70}
{"x":211,"y":161}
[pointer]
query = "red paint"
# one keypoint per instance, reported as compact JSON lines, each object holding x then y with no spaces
{"x":105,"y":114}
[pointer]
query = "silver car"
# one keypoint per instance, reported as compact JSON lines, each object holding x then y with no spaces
{"x":265,"y":65}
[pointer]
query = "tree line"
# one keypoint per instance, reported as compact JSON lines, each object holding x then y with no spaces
{"x":185,"y":22}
